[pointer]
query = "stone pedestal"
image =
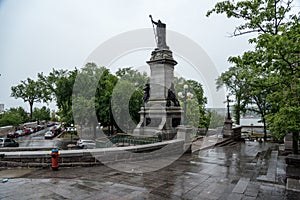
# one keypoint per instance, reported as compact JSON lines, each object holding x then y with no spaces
{"x":155,"y":121}
{"x":160,"y":116}
{"x":185,"y":133}
{"x":227,"y":129}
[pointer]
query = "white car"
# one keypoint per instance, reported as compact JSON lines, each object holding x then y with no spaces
{"x":49,"y":135}
{"x":86,"y":144}
{"x":20,"y":133}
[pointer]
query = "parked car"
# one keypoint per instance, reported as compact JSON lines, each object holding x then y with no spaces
{"x":28,"y":131}
{"x":19,"y":133}
{"x":50,"y":124}
{"x":86,"y":144}
{"x":39,"y":127}
{"x":34,"y":129}
{"x":56,"y":129}
{"x":12,"y":135}
{"x":8,"y":142}
{"x":49,"y":135}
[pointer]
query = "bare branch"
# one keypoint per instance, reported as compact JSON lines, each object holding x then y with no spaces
{"x":242,"y":33}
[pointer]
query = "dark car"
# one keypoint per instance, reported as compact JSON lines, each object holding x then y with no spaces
{"x":39,"y":127}
{"x":8,"y":142}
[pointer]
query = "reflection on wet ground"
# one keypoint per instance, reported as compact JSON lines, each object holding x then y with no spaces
{"x":234,"y":171}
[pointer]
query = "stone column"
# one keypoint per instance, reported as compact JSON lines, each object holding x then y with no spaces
{"x":185,"y":133}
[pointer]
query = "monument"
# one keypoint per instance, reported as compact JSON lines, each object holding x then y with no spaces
{"x":161,"y":113}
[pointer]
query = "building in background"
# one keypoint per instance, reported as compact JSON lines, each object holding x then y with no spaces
{"x":1,"y":107}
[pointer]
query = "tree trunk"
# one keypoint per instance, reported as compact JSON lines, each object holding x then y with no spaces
{"x":265,"y":128}
{"x":295,"y":142}
{"x":237,"y":113}
{"x":31,"y":108}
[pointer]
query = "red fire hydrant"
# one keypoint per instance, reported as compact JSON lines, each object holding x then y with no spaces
{"x":54,"y":154}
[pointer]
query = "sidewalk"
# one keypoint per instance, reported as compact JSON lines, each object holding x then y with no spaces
{"x":228,"y":172}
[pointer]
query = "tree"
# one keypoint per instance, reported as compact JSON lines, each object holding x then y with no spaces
{"x":92,"y":94}
{"x":58,"y":85}
{"x":13,"y":117}
{"x":40,"y":114}
{"x":196,"y":113}
{"x":120,"y":103}
{"x":235,"y":81}
{"x":106,"y":84}
{"x":260,"y":16}
{"x":127,"y":98}
{"x":10,"y":119}
{"x":30,"y":91}
{"x":274,"y":81}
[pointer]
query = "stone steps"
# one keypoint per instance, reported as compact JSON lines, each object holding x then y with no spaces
{"x":272,"y":169}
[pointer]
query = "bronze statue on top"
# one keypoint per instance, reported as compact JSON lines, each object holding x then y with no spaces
{"x":160,"y":34}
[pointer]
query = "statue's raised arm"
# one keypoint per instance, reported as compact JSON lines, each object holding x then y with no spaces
{"x":160,"y":34}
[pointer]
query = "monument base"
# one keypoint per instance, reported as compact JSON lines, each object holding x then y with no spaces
{"x":158,"y":122}
{"x":227,"y":129}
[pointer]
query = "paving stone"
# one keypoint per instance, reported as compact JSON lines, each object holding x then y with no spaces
{"x":293,"y":184}
{"x":248,"y":198}
{"x":241,"y":186}
{"x":234,"y":196}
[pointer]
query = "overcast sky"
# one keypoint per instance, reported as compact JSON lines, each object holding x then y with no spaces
{"x":36,"y":36}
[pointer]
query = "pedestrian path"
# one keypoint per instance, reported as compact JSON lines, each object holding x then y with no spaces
{"x":218,"y":173}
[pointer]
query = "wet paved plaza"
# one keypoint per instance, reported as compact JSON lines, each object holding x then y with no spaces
{"x":236,"y":171}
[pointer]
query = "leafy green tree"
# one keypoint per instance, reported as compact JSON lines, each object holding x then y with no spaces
{"x":92,"y":94}
{"x":30,"y":91}
{"x":106,"y":84}
{"x":22,"y":112}
{"x":274,"y":64}
{"x":127,"y":98}
{"x":134,"y":76}
{"x":58,"y":86}
{"x":10,"y":119}
{"x":120,"y":105}
{"x":197,"y":115}
{"x":14,"y":117}
{"x":40,"y":114}
{"x":235,"y":81}
{"x":246,"y":83}
{"x":257,"y":16}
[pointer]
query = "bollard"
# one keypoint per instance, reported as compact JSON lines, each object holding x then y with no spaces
{"x":54,"y":154}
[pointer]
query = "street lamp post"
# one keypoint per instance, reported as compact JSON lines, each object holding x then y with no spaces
{"x":185,"y":95}
{"x":228,"y":131}
{"x":71,"y":131}
{"x":228,"y":112}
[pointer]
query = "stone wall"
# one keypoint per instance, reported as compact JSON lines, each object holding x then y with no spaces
{"x":98,"y":156}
